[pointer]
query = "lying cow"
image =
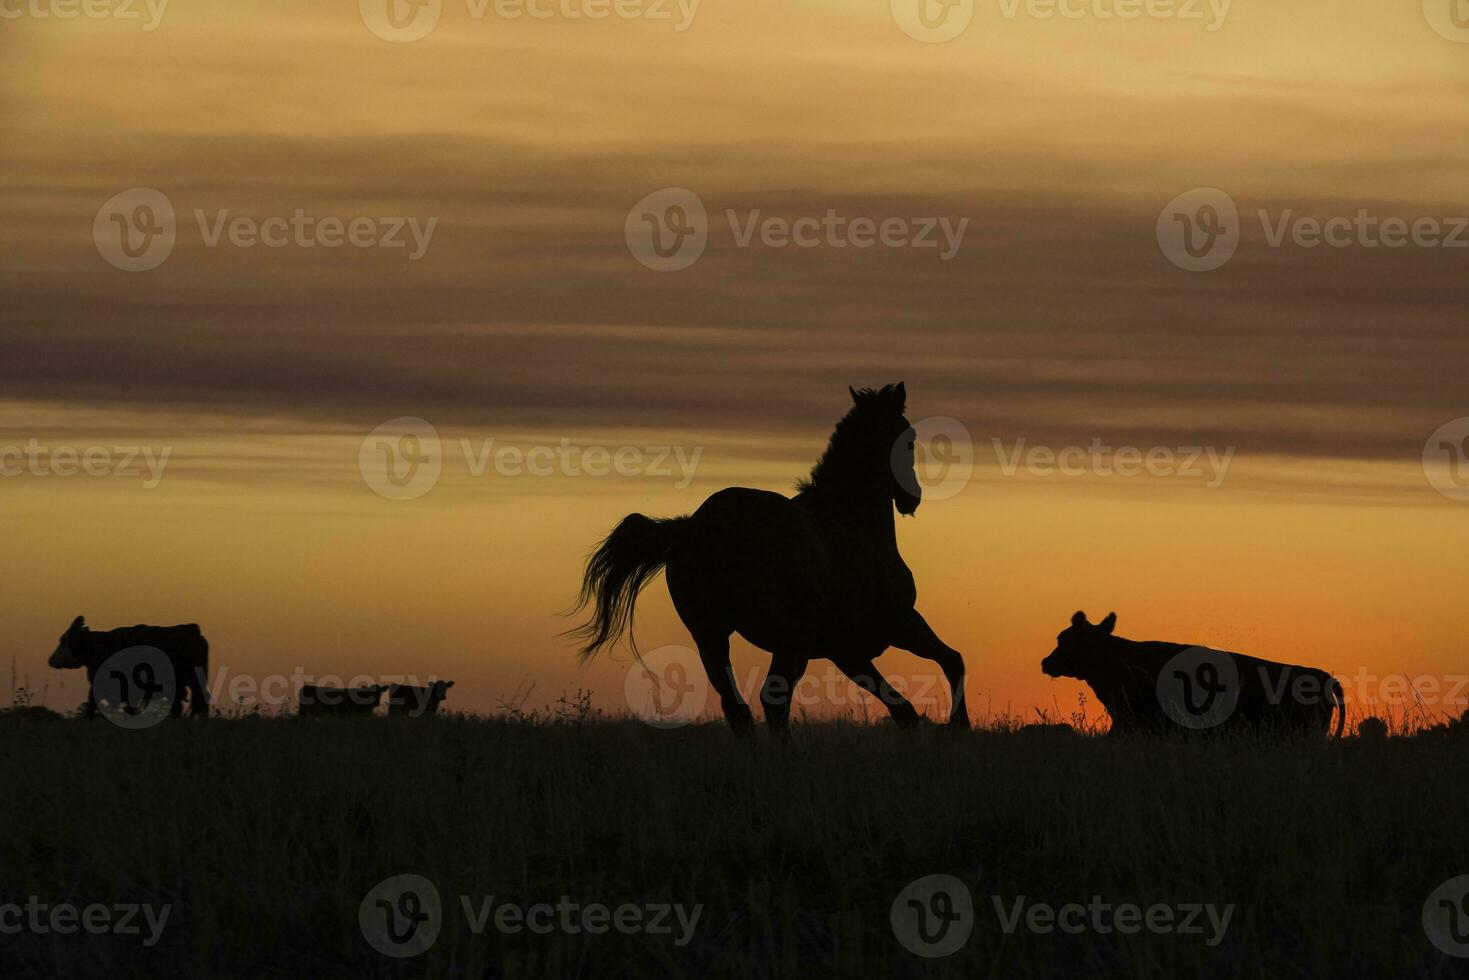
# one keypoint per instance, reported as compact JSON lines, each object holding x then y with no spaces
{"x":1157,"y":687}
{"x":406,"y":701}
{"x":183,"y":647}
{"x":339,"y":702}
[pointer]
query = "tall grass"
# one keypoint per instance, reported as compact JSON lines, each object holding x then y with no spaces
{"x":265,"y":834}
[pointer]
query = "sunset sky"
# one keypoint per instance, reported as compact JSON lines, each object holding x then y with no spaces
{"x":1058,"y":321}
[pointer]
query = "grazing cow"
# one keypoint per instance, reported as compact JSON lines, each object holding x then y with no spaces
{"x":184,"y":646}
{"x":339,"y":702}
{"x":1130,"y":678}
{"x":406,"y":701}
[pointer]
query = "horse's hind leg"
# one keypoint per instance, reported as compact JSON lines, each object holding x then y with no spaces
{"x":866,"y":676}
{"x":779,"y":690}
{"x":714,"y":653}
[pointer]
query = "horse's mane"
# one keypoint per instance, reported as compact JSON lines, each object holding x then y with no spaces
{"x":867,"y":404}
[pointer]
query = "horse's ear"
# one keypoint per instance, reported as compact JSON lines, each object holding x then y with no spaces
{"x":1107,"y":625}
{"x":77,"y":624}
{"x":1078,"y":618}
{"x":900,"y":395}
{"x":853,"y":392}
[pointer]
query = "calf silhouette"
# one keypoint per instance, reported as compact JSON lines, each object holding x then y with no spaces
{"x":316,"y":701}
{"x":184,"y":648}
{"x":1129,"y":679}
{"x":406,"y":701}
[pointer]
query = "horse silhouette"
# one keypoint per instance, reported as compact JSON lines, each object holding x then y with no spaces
{"x":817,"y":575}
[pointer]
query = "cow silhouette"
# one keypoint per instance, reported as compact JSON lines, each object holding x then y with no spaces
{"x":407,"y":701}
{"x":179,"y":651}
{"x":317,"y":701}
{"x":814,"y":575}
{"x":1130,"y":678}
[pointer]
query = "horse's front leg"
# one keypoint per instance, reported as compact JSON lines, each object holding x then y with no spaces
{"x":864,"y":674}
{"x":916,"y":636}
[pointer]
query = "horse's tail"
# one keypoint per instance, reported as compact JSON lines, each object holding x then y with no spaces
{"x":625,"y":561}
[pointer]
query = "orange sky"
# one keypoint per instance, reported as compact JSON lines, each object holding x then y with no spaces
{"x":526,"y":320}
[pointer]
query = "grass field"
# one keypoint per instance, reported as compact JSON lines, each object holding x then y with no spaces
{"x":265,"y":836}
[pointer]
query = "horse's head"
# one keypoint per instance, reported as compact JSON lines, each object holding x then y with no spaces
{"x":870,"y":455}
{"x":883,"y":425}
